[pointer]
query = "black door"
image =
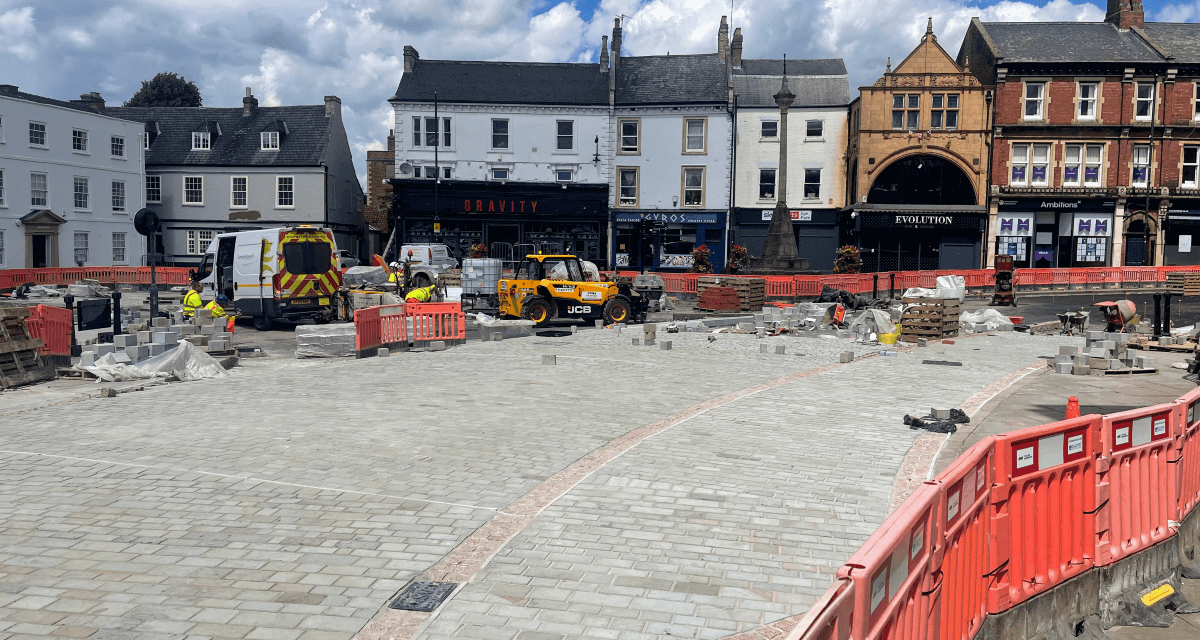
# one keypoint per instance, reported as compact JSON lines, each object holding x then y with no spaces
{"x":225,"y":283}
{"x":41,"y":251}
{"x":1135,"y":251}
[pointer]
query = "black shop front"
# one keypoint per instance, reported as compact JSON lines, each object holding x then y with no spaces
{"x":817,"y":236}
{"x":919,"y":237}
{"x":511,"y":218}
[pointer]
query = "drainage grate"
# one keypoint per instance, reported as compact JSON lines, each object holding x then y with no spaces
{"x":553,"y":334}
{"x":945,"y":363}
{"x":423,"y":596}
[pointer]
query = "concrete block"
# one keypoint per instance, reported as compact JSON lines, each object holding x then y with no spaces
{"x":574,"y":329}
{"x":1063,"y":367}
{"x":436,"y":345}
{"x":383,"y":352}
{"x":1145,"y":362}
{"x":636,"y":342}
{"x":104,"y":349}
{"x":1108,"y":345}
{"x":1080,"y":360}
{"x":1063,"y":360}
{"x":762,"y":348}
{"x":187,"y":329}
{"x":940,"y":414}
{"x":168,"y":338}
{"x":922,"y":342}
{"x":746,"y":326}
{"x":665,"y":345}
{"x":847,"y":356}
{"x":600,"y":324}
{"x":87,"y":359}
{"x":145,"y":337}
{"x":780,"y":350}
{"x":549,"y":360}
{"x":1081,"y":370}
{"x":649,"y":342}
{"x":156,"y":348}
{"x":122,"y":358}
{"x":650,"y":329}
{"x":759,"y":319}
{"x":124,"y":340}
{"x":1099,"y":363}
{"x":219,"y":322}
{"x":137,"y":352}
{"x":209,"y":330}
{"x":1116,"y":364}
{"x":618,"y":329}
{"x":218,"y":345}
{"x":1064,"y":350}
{"x":1095,"y":335}
{"x":1122,"y":338}
{"x":202,"y":317}
{"x":1098,"y":352}
{"x":162,"y":323}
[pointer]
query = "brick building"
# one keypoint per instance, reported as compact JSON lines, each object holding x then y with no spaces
{"x":1095,"y":158}
{"x":381,"y":168}
{"x":917,"y":164}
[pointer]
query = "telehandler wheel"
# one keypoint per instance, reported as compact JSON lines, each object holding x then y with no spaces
{"x":617,"y":310}
{"x":262,"y":323}
{"x":538,"y":310}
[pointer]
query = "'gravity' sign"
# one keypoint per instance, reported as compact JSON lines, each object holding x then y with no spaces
{"x":503,"y":206}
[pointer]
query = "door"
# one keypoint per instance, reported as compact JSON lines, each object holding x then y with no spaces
{"x":224,"y":267}
{"x":1135,"y":250}
{"x":41,"y":251}
{"x":958,"y":256}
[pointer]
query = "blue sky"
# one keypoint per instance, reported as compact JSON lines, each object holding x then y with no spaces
{"x":297,"y":51}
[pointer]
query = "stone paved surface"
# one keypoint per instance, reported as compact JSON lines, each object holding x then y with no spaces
{"x":293,"y":499}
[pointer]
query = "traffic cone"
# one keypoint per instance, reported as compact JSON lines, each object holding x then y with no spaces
{"x":1072,"y":408}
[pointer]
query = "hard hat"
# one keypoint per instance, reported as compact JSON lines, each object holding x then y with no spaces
{"x":395,"y":265}
{"x":221,"y":299}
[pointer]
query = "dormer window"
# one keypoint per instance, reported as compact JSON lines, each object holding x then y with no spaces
{"x":269,"y":140}
{"x":201,"y":141}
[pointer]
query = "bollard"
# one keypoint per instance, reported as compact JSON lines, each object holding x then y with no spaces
{"x":875,"y":286}
{"x":76,"y":350}
{"x":116,"y":311}
{"x":549,"y":360}
{"x":600,"y":324}
{"x":383,"y":352}
{"x":780,"y":350}
{"x":891,"y":285}
{"x":1167,"y":312}
{"x":665,"y":345}
{"x":1072,"y":408}
{"x":762,"y":348}
{"x":1157,"y":317}
{"x":636,"y":342}
{"x":574,"y":329}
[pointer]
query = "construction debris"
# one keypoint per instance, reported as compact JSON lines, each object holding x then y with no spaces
{"x":20,"y":362}
{"x":938,"y":421}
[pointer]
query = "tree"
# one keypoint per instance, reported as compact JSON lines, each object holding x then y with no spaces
{"x":166,"y":90}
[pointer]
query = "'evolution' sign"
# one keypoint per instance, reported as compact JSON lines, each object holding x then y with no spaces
{"x":924,"y":221}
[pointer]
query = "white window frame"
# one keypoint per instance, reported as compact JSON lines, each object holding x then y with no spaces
{"x":688,"y":149}
{"x":507,"y":135}
{"x":146,"y":141}
{"x":807,"y":182}
{"x":201,"y":141}
{"x":119,"y":197}
{"x":79,"y":141}
{"x":122,"y":257}
{"x":233,"y":192}
{"x":1195,"y":103}
{"x":623,"y":201}
{"x":762,"y":131}
{"x":186,"y":201}
{"x":268,"y":141}
{"x":808,"y":125}
{"x":1193,"y":166}
{"x":1043,"y":162}
{"x":86,"y":193}
{"x":116,"y":147}
{"x":685,"y":188}
{"x":774,"y":183}
{"x":494,"y":173}
{"x":1,"y":139}
{"x":446,"y":173}
{"x":1081,"y":100}
{"x":1039,"y":101}
{"x":560,"y":137}
{"x":45,"y":143}
{"x":1,"y":247}
{"x":1081,"y":163}
{"x":1148,"y":101}
{"x":81,"y":235}
{"x":1144,"y":162}
{"x":622,"y":148}
{"x":1014,"y":161}
{"x":45,"y":190}
{"x":290,"y":181}
{"x":157,"y":188}
{"x":558,"y":175}
{"x":3,"y":203}
{"x":198,"y":241}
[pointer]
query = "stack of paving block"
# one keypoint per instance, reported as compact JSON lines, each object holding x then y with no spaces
{"x":325,"y":341}
{"x":1184,"y":283}
{"x":19,"y":360}
{"x":719,"y":299}
{"x":929,"y":318}
{"x":1102,"y":352}
{"x":148,"y":337}
{"x":750,"y":291}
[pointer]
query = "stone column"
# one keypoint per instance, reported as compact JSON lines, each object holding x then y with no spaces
{"x":781,"y":239}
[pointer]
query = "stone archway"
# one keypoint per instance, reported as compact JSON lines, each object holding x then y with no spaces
{"x":1140,"y":234}
{"x":922,"y":179}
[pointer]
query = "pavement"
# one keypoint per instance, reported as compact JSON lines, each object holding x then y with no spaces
{"x":625,"y":492}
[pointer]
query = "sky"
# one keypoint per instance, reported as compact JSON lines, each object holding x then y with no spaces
{"x":298,"y":51}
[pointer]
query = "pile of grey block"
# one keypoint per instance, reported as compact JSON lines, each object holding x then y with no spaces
{"x":149,"y":337}
{"x":1102,"y":351}
{"x":326,"y":341}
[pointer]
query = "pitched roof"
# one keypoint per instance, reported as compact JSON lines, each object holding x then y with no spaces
{"x":1068,"y":42}
{"x":464,"y":81}
{"x":238,"y":144}
{"x":1180,"y":41}
{"x":815,"y":82}
{"x":699,"y":78}
{"x":10,"y":91}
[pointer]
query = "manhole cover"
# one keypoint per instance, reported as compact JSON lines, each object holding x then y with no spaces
{"x":553,"y":334}
{"x":423,"y":596}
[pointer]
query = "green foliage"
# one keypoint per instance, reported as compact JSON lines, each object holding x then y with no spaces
{"x":166,"y":90}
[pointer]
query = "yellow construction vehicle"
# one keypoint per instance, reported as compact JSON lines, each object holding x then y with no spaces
{"x":545,"y":287}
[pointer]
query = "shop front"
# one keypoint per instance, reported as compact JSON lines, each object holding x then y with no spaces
{"x":816,"y":233}
{"x":1044,"y":233}
{"x":1181,"y":227}
{"x":919,"y":237}
{"x":658,"y":241}
{"x":511,"y":219}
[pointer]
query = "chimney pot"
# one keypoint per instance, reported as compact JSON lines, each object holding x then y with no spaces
{"x":249,"y":104}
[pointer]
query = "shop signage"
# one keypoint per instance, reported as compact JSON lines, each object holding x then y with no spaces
{"x":499,"y":206}
{"x":686,"y":218}
{"x":924,"y":220}
{"x":1045,"y":204}
{"x":802,"y":215}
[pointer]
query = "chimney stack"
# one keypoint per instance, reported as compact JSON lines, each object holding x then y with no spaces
{"x":410,"y":58}
{"x":249,"y":104}
{"x":333,"y":107}
{"x":604,"y":53}
{"x":1126,"y":13}
{"x":616,"y":61}
{"x":723,"y":39}
{"x":737,"y":47}
{"x":391,"y":140}
{"x":93,"y":101}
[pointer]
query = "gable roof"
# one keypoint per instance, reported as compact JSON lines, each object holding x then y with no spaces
{"x":928,"y":57}
{"x":462,"y":81}
{"x":1067,"y":42}
{"x":238,"y":143}
{"x":1180,"y":41}
{"x":10,"y":91}
{"x":648,"y":80}
{"x":803,"y":67}
{"x":816,"y":83}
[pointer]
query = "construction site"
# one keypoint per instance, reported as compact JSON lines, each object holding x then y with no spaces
{"x":543,"y":451}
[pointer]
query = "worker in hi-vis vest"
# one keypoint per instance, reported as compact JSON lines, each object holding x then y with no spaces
{"x":422,"y":294}
{"x":191,"y":300}
{"x":217,"y":308}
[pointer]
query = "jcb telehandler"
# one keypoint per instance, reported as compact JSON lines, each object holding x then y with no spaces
{"x":545,"y":287}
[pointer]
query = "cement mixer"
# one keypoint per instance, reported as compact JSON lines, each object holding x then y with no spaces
{"x":1118,"y":315}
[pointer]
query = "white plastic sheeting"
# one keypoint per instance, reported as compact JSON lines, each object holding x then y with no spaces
{"x":948,"y":288}
{"x":992,"y":319}
{"x":873,"y":321}
{"x":185,"y":362}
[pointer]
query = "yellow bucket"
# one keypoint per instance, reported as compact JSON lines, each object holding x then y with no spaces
{"x":889,"y":338}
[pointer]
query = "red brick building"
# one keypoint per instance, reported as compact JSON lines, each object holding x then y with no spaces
{"x":1095,"y":157}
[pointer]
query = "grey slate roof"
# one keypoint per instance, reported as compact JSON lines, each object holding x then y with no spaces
{"x":684,"y":79}
{"x":13,"y":92}
{"x":1181,"y":41}
{"x":238,"y":144}
{"x":504,"y":83}
{"x":1068,"y":42}
{"x":816,"y":83}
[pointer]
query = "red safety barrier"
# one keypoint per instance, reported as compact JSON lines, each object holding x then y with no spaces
{"x":961,"y":550}
{"x":1043,"y":509}
{"x":807,"y":286}
{"x":830,"y":617}
{"x":907,"y":280}
{"x":437,"y":321}
{"x":892,"y":576}
{"x":1188,"y":459}
{"x":779,"y":287}
{"x":1134,"y":469}
{"x":53,"y":326}
{"x":1060,"y":276}
{"x":378,"y":326}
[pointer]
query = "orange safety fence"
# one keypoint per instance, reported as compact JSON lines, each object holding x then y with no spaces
{"x":375,"y":327}
{"x":1187,"y":457}
{"x":436,"y":321}
{"x":53,"y":326}
{"x":830,"y":617}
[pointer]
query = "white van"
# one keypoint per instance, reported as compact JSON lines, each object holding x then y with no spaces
{"x":428,"y":262}
{"x":287,"y":272}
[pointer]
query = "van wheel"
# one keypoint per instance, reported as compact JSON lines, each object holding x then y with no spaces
{"x":262,"y":323}
{"x":538,"y":310}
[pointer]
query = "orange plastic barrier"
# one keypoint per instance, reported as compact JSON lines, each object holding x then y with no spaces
{"x":808,"y":285}
{"x":1043,"y":509}
{"x":53,"y":326}
{"x":1141,"y":485}
{"x":962,"y":547}
{"x":1188,"y":456}
{"x":779,"y":287}
{"x":1060,"y":276}
{"x":378,"y":326}
{"x":830,"y":617}
{"x":437,"y":321}
{"x":891,"y":573}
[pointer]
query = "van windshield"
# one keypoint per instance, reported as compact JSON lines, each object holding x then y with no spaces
{"x":306,"y":257}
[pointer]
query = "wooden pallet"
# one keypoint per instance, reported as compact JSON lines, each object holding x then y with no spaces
{"x":1175,"y":348}
{"x":750,"y":291}
{"x":19,"y":360}
{"x":931,"y":318}
{"x":78,"y":374}
{"x":1184,"y":283}
{"x":1118,"y":372}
